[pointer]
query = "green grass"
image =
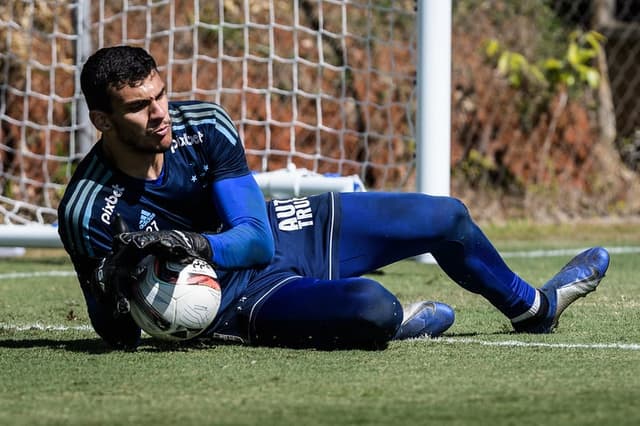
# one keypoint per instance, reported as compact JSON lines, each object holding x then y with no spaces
{"x":480,"y":373}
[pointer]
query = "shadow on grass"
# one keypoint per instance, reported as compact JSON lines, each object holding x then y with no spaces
{"x":96,"y":346}
{"x":477,"y":334}
{"x":92,"y":346}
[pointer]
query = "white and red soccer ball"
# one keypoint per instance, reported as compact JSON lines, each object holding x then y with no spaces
{"x":175,"y":301}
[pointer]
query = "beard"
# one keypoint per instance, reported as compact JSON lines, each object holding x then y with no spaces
{"x":148,"y":142}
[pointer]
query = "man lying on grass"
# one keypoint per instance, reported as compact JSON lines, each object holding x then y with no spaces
{"x":290,"y":271}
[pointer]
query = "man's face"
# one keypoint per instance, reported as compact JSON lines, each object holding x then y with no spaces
{"x":140,"y":117}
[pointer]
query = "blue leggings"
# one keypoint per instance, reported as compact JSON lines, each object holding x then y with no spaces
{"x":378,"y":229}
{"x":381,"y":228}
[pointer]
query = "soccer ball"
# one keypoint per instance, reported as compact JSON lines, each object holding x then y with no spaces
{"x":174,"y":301}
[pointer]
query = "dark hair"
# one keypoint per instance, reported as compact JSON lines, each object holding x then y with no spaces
{"x":113,"y":67}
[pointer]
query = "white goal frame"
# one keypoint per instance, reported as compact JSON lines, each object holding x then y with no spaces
{"x":432,"y":124}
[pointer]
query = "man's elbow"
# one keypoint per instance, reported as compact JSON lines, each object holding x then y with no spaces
{"x":264,"y":249}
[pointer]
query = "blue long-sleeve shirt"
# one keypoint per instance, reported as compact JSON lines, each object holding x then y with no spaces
{"x":205,"y":186}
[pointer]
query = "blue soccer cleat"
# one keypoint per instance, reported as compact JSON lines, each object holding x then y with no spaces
{"x":578,"y":278}
{"x":425,"y":319}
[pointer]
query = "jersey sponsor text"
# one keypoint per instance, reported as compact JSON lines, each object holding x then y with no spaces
{"x":110,"y":204}
{"x":187,"y":140}
{"x":293,"y":214}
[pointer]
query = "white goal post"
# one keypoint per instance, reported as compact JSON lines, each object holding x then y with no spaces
{"x":328,"y":95}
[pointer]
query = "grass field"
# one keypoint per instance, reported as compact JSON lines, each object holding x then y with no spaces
{"x":54,"y":370}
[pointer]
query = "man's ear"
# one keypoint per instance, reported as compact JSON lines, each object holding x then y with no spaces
{"x":101,"y":120}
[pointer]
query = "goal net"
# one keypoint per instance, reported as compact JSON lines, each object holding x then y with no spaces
{"x":322,"y":86}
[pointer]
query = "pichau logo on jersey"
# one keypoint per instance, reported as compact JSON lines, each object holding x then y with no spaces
{"x":186,"y":140}
{"x":293,"y":214}
{"x":110,"y":202}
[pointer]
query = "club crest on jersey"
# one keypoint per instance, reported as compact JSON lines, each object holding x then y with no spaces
{"x":111,"y":201}
{"x":186,"y":140}
{"x":293,"y":214}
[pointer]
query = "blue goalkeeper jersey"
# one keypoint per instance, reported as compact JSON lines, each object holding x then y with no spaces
{"x":205,"y":150}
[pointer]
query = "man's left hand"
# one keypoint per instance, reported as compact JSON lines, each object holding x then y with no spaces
{"x":174,"y":245}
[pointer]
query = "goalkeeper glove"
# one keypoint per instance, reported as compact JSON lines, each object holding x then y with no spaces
{"x":112,"y":279}
{"x":173,"y":245}
{"x":116,"y":273}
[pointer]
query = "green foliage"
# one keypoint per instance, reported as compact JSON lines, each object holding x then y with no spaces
{"x":629,"y":148}
{"x":546,"y":85}
{"x":575,"y":68}
{"x":60,"y":173}
{"x":481,"y":171}
{"x":476,"y":165}
{"x":8,"y":189}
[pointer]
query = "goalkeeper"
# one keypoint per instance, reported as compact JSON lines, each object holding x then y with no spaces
{"x":171,"y":178}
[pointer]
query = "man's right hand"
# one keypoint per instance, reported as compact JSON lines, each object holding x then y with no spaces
{"x":112,"y":279}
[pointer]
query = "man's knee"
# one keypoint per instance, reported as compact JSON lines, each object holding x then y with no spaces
{"x":349,"y":312}
{"x":452,"y":216}
{"x":373,"y":309}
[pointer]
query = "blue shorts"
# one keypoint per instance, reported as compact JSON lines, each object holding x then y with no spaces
{"x":306,"y":232}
